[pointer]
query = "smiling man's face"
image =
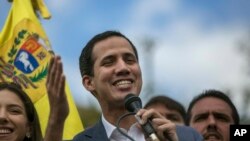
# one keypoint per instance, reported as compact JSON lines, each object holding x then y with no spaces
{"x":116,"y":71}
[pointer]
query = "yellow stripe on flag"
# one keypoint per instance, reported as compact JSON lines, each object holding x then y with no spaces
{"x":24,"y":59}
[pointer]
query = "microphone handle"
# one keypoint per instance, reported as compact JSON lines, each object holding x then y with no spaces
{"x":148,"y":129}
{"x":153,"y":137}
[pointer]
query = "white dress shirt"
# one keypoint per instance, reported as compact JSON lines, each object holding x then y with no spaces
{"x":114,"y":135}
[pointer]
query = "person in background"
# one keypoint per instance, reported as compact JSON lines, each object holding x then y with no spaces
{"x":168,"y":107}
{"x":211,"y":113}
{"x":18,"y":117}
{"x":110,"y":71}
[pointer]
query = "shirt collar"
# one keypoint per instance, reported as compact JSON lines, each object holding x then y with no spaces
{"x":108,"y":126}
{"x":134,"y":131}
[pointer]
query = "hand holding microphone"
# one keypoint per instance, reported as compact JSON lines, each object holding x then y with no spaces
{"x":164,"y":128}
{"x":133,"y":104}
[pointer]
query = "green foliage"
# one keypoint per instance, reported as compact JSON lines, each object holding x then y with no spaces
{"x":40,"y":75}
{"x":89,"y":115}
{"x":12,"y":52}
{"x":21,"y":34}
{"x":17,"y":41}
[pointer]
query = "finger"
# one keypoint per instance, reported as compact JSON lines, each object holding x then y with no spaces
{"x":49,"y":69}
{"x":62,"y":76}
{"x":146,"y":115}
{"x":53,"y":70}
{"x":160,"y":121}
{"x":165,"y":128}
{"x":62,"y":86}
{"x":57,"y":74}
{"x":139,"y":114}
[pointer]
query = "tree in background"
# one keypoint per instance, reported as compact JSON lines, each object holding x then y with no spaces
{"x":244,"y":48}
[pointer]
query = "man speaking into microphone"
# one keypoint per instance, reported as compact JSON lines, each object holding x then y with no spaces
{"x":110,"y":71}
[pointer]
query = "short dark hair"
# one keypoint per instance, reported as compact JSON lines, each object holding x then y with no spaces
{"x":36,"y":134}
{"x":216,"y":94}
{"x":86,"y":60}
{"x":169,"y":103}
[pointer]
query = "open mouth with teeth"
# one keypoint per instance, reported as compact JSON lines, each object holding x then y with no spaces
{"x":212,"y":137}
{"x":5,"y":131}
{"x":123,"y":84}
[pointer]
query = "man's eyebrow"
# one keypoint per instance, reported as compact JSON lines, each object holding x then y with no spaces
{"x":221,"y":114}
{"x":129,"y":54}
{"x":108,"y":56}
{"x":201,"y":114}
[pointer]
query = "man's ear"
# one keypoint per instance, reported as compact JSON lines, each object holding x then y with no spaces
{"x":88,"y":83}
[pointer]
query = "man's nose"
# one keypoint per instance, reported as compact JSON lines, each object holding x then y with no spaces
{"x":211,"y":121}
{"x":122,"y":67}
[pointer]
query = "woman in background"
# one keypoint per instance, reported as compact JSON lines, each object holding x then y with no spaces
{"x":18,"y":116}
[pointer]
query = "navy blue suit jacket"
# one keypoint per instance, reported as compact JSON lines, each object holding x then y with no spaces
{"x":98,"y":133}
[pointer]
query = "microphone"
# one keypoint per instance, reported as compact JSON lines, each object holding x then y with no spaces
{"x":133,"y":104}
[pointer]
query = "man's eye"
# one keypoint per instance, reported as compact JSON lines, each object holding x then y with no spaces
{"x":201,"y":118}
{"x":107,"y":62}
{"x":130,"y":60}
{"x":222,"y":118}
{"x":174,"y":119}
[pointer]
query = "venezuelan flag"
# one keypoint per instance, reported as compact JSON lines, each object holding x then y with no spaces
{"x":25,"y":53}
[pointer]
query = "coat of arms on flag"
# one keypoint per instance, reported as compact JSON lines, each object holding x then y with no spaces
{"x":25,"y":54}
{"x":25,"y":60}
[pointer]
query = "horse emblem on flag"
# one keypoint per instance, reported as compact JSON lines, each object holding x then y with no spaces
{"x":24,"y":60}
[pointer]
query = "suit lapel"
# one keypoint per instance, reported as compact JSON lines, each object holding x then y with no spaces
{"x":97,"y":133}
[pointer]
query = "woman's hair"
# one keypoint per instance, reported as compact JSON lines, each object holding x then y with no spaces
{"x":36,"y":134}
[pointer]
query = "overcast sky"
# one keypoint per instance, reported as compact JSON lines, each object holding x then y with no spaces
{"x":195,"y":41}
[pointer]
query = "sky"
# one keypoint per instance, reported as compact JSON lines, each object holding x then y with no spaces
{"x":194,"y":42}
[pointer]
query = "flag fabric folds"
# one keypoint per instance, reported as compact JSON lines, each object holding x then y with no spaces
{"x":25,"y":52}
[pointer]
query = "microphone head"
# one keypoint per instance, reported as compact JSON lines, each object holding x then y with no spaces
{"x":132,"y":103}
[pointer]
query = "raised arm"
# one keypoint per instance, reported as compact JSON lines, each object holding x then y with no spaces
{"x":59,"y":108}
